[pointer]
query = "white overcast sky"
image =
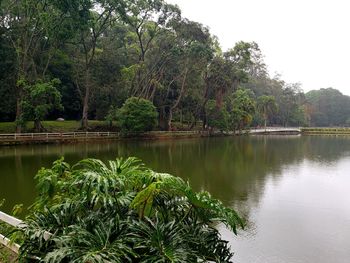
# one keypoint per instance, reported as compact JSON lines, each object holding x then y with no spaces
{"x":307,"y":41}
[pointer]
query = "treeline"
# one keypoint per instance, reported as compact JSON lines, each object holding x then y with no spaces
{"x":327,"y":107}
{"x":83,"y":59}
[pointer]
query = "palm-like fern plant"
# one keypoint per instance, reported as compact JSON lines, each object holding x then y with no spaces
{"x":123,"y":212}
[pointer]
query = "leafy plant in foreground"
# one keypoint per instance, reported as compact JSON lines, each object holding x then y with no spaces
{"x":123,"y":212}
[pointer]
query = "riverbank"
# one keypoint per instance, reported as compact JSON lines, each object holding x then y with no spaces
{"x":68,"y":132}
{"x":55,"y":126}
{"x":326,"y":131}
{"x":73,"y":137}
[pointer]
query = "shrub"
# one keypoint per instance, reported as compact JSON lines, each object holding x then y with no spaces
{"x":137,"y":115}
{"x":216,"y":117}
{"x":123,"y":212}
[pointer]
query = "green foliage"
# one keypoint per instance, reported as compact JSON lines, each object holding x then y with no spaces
{"x":137,"y":115}
{"x":216,"y":117}
{"x":123,"y":212}
{"x":106,"y":51}
{"x":266,"y":107}
{"x":328,"y":107}
{"x":241,"y":109}
{"x":7,"y":79}
{"x":40,"y":98}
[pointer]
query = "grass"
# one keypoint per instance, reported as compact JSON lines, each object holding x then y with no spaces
{"x":72,"y":126}
{"x":326,"y":131}
{"x":53,"y":126}
{"x":6,"y":255}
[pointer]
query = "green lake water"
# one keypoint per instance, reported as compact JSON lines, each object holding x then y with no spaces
{"x":293,"y":190}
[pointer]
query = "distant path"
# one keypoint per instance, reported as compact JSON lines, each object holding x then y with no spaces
{"x":275,"y":130}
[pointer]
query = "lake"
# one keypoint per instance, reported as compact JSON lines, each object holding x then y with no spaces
{"x":293,"y":190}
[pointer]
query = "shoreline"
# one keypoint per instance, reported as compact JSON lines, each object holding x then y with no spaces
{"x":326,"y":131}
{"x":72,"y":138}
{"x":78,"y":137}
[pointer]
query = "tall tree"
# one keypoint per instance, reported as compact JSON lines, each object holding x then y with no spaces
{"x":91,"y":26}
{"x":40,"y":98}
{"x":33,"y":28}
{"x":266,"y":106}
{"x":241,"y":108}
{"x":147,"y":19}
{"x":328,"y":107}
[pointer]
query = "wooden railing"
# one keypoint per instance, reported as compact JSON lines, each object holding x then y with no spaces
{"x":46,"y":137}
{"x":12,"y":221}
{"x":17,"y":223}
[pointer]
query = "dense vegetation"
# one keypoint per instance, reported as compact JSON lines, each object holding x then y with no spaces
{"x":137,"y":115}
{"x":83,"y":59}
{"x":122,"y":212}
{"x":328,"y":107}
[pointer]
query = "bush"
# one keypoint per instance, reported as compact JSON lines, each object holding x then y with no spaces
{"x":217,"y":118}
{"x":123,"y":212}
{"x":137,"y":115}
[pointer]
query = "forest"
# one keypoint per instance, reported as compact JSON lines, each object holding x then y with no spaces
{"x":83,"y":59}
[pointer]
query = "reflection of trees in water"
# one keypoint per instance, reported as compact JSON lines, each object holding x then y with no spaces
{"x":232,"y":169}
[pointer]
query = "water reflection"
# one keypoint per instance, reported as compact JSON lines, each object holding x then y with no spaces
{"x":292,"y":189}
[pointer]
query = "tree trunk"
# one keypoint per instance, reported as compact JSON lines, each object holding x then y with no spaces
{"x":38,"y":127}
{"x":170,"y":118}
{"x":19,"y":115}
{"x":163,"y":120}
{"x":84,"y":120}
{"x":219,"y":98}
{"x":183,"y":84}
{"x":193,"y":124}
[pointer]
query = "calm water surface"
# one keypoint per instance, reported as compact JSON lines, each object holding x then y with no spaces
{"x":294,"y":191}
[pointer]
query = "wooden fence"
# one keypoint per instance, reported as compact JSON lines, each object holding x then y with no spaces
{"x":17,"y":223}
{"x":82,"y":136}
{"x":56,"y":136}
{"x":13,"y":222}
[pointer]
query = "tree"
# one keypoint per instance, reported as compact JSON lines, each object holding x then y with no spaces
{"x":39,"y":99}
{"x":328,"y":107}
{"x":235,"y":67}
{"x":34,"y":28}
{"x":190,"y":50}
{"x":147,"y":20}
{"x":216,"y":117}
{"x":137,"y":115}
{"x":241,"y":109}
{"x":105,"y":51}
{"x":91,"y":25}
{"x":266,"y":106}
{"x":123,"y":212}
{"x":7,"y":78}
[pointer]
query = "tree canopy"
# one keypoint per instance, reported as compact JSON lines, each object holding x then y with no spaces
{"x":104,"y":52}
